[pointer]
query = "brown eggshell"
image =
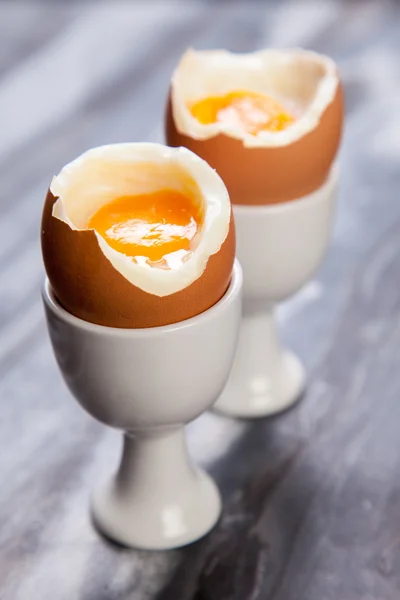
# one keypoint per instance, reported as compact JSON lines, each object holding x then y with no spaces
{"x":89,"y":287}
{"x":273,"y":174}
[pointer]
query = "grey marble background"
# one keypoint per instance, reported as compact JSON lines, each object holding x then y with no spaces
{"x":312,"y":498}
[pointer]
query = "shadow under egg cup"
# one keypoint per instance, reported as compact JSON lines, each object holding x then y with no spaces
{"x":279,"y":246}
{"x":149,"y":383}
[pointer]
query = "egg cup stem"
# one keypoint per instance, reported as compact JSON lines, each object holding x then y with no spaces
{"x":266,"y":378}
{"x":157,"y":492}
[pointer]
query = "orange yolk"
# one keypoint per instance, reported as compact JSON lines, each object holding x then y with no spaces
{"x":149,"y":225}
{"x":249,"y":111}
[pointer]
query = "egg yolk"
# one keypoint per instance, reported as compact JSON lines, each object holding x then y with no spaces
{"x":150,"y":225}
{"x":250,"y":111}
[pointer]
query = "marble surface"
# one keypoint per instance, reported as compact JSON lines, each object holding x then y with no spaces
{"x":312,"y":497}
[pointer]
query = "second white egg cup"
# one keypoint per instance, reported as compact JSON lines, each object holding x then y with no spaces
{"x":149,"y":383}
{"x":280,"y":246}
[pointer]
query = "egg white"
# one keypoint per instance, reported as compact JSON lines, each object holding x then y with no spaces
{"x":104,"y":173}
{"x":304,"y":81}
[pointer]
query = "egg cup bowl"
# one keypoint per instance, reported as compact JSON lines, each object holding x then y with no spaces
{"x":280,"y":246}
{"x":149,"y":383}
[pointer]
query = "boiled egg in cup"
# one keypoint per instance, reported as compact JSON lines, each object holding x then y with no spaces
{"x":270,"y":123}
{"x":138,"y":235}
{"x":143,"y":307}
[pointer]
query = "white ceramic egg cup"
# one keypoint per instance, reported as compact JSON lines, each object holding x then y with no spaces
{"x":149,"y":383}
{"x":279,"y":246}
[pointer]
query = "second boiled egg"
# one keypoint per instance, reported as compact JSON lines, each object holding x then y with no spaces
{"x":269,"y":122}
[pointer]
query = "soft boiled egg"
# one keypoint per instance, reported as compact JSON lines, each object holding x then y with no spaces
{"x":138,"y":235}
{"x":269,"y":122}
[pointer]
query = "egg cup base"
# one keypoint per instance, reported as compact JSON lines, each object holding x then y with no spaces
{"x":164,"y":503}
{"x":244,"y":402}
{"x":266,"y":379}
